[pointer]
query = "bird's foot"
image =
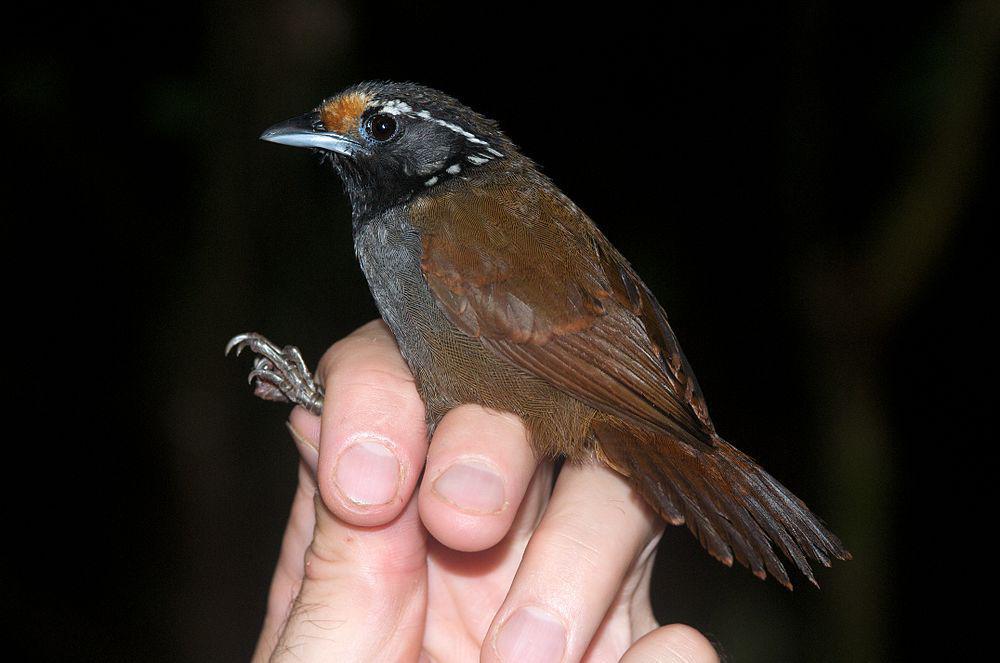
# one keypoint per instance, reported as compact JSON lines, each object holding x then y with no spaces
{"x":279,"y":374}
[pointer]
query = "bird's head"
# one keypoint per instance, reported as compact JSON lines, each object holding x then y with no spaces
{"x":391,"y":141}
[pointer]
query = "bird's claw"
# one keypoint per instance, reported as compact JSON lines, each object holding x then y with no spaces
{"x":279,"y":374}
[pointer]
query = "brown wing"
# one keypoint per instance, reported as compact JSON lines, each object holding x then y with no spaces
{"x":526,"y":272}
{"x":520,"y":267}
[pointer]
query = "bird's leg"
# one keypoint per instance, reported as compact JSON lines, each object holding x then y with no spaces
{"x":279,"y":374}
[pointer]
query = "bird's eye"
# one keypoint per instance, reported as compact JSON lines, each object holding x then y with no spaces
{"x":380,"y":127}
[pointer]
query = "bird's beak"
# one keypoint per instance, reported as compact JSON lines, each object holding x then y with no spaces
{"x":306,"y":131}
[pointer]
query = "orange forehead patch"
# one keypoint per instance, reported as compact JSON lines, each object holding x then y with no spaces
{"x":341,"y":114}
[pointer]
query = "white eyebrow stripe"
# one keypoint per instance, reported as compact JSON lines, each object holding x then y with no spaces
{"x":396,"y":107}
{"x":457,"y":129}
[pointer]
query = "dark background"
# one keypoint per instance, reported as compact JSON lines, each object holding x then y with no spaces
{"x":807,"y":188}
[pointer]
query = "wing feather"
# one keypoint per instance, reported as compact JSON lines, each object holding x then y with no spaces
{"x":523,"y":270}
{"x":529,"y":274}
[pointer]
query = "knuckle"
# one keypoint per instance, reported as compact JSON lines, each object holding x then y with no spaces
{"x":378,"y":378}
{"x":371,"y":336}
{"x":323,"y":562}
{"x":356,"y":359}
{"x":689,"y":645}
{"x":574,"y":543}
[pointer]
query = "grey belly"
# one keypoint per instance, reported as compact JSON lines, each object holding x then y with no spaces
{"x":388,"y":249}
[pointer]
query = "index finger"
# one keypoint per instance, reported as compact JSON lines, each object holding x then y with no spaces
{"x":373,"y":437}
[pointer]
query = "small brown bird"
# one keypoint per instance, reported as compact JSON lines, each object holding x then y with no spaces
{"x":500,"y":291}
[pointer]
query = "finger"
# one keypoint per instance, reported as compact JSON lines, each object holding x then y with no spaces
{"x":373,"y":439}
{"x":635,"y":593}
{"x":478,"y":468}
{"x":363,"y":594}
{"x":287,"y":579}
{"x":592,"y":533}
{"x":676,"y":643}
{"x":305,"y":431}
{"x":467,"y":590}
{"x":630,"y":615}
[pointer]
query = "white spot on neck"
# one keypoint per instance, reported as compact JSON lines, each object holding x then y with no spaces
{"x":432,"y":167}
{"x":432,"y":181}
{"x":453,"y":169}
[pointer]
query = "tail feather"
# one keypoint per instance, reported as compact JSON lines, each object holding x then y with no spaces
{"x":733,"y":507}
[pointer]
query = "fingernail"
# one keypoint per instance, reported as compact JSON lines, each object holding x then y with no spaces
{"x":471,"y":486}
{"x":309,"y":453}
{"x":368,"y":473}
{"x":531,"y":635}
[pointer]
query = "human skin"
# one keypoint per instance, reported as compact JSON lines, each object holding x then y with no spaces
{"x":512,"y":570}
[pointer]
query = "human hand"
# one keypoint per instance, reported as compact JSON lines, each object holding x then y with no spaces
{"x":514,"y":570}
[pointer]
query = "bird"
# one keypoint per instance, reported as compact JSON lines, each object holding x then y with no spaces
{"x":501,"y":292}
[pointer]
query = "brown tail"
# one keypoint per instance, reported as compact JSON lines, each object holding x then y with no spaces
{"x":733,"y":507}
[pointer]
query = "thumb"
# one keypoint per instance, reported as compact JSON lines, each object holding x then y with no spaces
{"x":363,"y":594}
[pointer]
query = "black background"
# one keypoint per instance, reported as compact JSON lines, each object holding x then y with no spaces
{"x":806,"y":187}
